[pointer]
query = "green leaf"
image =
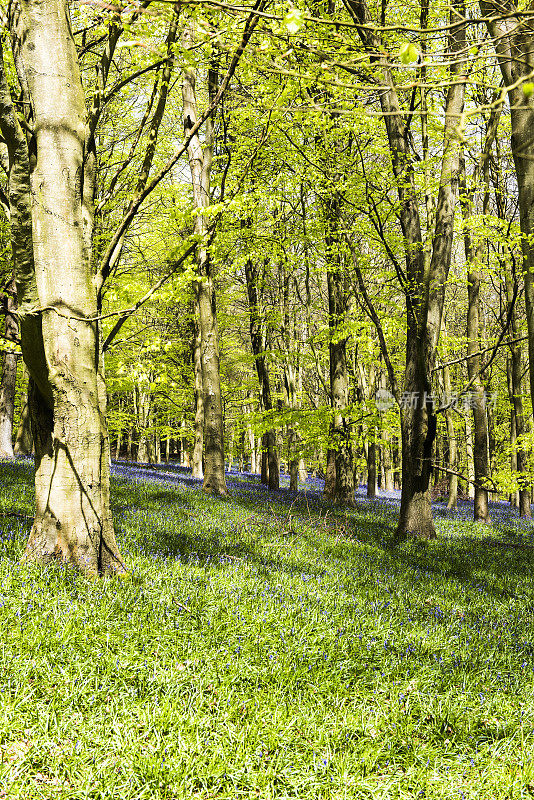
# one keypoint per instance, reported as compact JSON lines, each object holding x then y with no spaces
{"x":294,"y":20}
{"x":528,"y":89}
{"x":408,"y":53}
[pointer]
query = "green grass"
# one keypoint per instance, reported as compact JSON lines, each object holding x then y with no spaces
{"x":259,"y":651}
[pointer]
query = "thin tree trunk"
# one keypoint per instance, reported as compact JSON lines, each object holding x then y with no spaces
{"x":514,"y":496}
{"x":424,"y":281}
{"x":452,"y":461}
{"x":371,"y":469}
{"x":168,"y":442}
{"x":513,"y":40}
{"x":339,"y":379}
{"x":474,"y":255}
{"x":200,"y":160}
{"x":258,"y":343}
{"x":9,"y":377}
{"x":519,"y":415}
{"x":386,"y":458}
{"x":198,"y":446}
{"x":24,"y":440}
{"x":143,"y":421}
{"x":231,"y":441}
{"x":470,"y":456}
{"x":264,"y":460}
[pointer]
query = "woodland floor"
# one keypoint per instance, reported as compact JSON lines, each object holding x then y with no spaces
{"x":267,"y":646}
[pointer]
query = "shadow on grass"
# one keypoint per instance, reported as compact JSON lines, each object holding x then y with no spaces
{"x":476,"y":562}
{"x":483,"y":561}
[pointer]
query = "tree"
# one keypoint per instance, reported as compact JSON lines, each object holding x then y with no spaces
{"x":200,"y":160}
{"x":50,"y":208}
{"x":423,"y":280}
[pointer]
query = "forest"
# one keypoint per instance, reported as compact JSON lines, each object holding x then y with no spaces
{"x":296,"y":241}
{"x":267,"y":286}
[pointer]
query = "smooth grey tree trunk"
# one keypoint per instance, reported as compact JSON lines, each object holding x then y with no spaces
{"x":57,"y":297}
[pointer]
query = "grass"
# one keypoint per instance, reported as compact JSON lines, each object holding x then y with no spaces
{"x":267,"y":648}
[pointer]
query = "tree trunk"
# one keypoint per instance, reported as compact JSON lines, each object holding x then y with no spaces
{"x":452,"y":460}
{"x":418,"y":429}
{"x":57,"y":298}
{"x":339,"y":379}
{"x":168,"y":442}
{"x":519,"y":419}
{"x":264,"y":460}
{"x":514,"y":43}
{"x":425,"y":279}
{"x":157,"y":447}
{"x":293,"y":466}
{"x":200,"y":160}
{"x":258,"y":343}
{"x":514,"y":496}
{"x":254,"y":456}
{"x":371,"y":470}
{"x":231,"y":440}
{"x":9,"y":377}
{"x":24,"y":441}
{"x":470,"y":456}
{"x":330,"y":475}
{"x":387,"y":458}
{"x":198,"y":446}
{"x":143,"y":421}
{"x":474,"y":254}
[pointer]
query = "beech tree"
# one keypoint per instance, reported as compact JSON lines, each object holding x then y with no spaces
{"x":50,"y":212}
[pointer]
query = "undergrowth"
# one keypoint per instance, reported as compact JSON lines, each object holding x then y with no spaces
{"x":266,"y":647}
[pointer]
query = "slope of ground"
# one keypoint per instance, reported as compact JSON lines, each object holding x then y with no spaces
{"x":267,"y":646}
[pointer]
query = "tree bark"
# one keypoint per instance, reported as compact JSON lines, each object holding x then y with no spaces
{"x":513,"y":40}
{"x":339,"y":379}
{"x":23,"y":440}
{"x":329,"y":491}
{"x":515,"y":381}
{"x":514,"y":496}
{"x":143,"y":422}
{"x":200,"y":160}
{"x":470,"y":457}
{"x":371,"y":469}
{"x":57,"y":298}
{"x":264,"y":469}
{"x":198,"y":447}
{"x":9,"y":376}
{"x":259,"y":343}
{"x":423,"y":280}
{"x":452,"y":461}
{"x":474,"y":253}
